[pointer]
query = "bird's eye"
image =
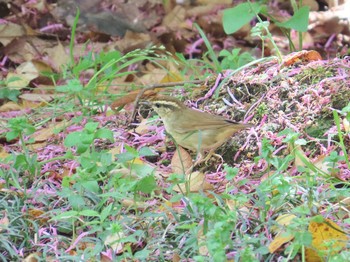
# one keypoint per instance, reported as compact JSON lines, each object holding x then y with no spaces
{"x":157,"y":105}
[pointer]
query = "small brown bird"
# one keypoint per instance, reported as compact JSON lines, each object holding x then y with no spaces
{"x":192,"y":129}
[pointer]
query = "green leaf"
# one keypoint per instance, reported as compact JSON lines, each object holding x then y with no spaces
{"x":146,"y":185}
{"x":224,"y":53}
{"x":65,"y":215}
{"x":91,"y":186}
{"x":12,"y":135}
{"x":125,"y":157}
{"x":106,"y":212}
{"x":89,"y":213}
{"x":231,"y":172}
{"x":12,"y":94}
{"x":91,"y":127}
{"x":236,"y":17}
{"x":301,"y":142}
{"x":73,"y":86}
{"x":299,"y":21}
{"x":72,"y":139}
{"x":104,"y":133}
{"x":145,"y":151}
{"x":77,"y":202}
{"x":131,"y":150}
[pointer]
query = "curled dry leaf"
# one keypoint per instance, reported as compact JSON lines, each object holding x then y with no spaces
{"x":10,"y":106}
{"x":10,"y":31}
{"x":196,"y":182}
{"x":25,"y":73}
{"x":4,"y":221}
{"x":181,"y":161}
{"x":301,"y":56}
{"x":114,"y":241}
{"x":45,"y":133}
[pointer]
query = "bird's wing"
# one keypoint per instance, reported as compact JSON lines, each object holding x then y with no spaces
{"x":191,"y":122}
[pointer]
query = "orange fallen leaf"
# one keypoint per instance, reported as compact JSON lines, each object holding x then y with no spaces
{"x":301,"y":56}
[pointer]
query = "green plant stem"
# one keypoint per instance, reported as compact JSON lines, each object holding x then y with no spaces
{"x":341,"y":139}
{"x":72,"y":37}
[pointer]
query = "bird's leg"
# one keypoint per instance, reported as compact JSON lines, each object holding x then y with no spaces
{"x":200,"y":158}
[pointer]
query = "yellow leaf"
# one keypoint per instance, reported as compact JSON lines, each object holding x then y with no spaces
{"x":282,"y":237}
{"x":283,"y":220}
{"x":327,"y":239}
{"x":279,"y":240}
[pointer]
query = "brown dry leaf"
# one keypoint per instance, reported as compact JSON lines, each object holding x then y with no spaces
{"x":181,"y":161}
{"x":196,"y":183}
{"x":25,"y":73}
{"x":327,"y":238}
{"x":33,"y":257}
{"x":154,"y":75}
{"x":45,"y":133}
{"x":219,"y":2}
{"x":114,"y":242}
{"x":281,"y":238}
{"x":172,"y":77}
{"x":30,"y":104}
{"x":4,"y":221}
{"x":142,"y":127}
{"x":39,"y":5}
{"x":203,"y":249}
{"x":346,"y":125}
{"x":325,"y":166}
{"x":130,"y":98}
{"x":3,"y":153}
{"x":201,"y":10}
{"x":37,"y":145}
{"x":176,"y":257}
{"x":173,"y":19}
{"x":307,"y":40}
{"x":132,"y":41}
{"x":319,"y":162}
{"x":58,"y":56}
{"x":244,"y":208}
{"x":39,"y":97}
{"x":24,"y":49}
{"x":174,"y":206}
{"x":10,"y":106}
{"x":36,"y":214}
{"x":10,"y":31}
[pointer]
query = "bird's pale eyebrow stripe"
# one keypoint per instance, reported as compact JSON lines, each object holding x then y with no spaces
{"x":167,"y":103}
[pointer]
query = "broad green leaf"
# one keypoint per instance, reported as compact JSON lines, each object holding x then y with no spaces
{"x":91,"y":127}
{"x":299,"y":21}
{"x":146,"y":185}
{"x":145,"y":151}
{"x":104,"y":133}
{"x":236,"y":17}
